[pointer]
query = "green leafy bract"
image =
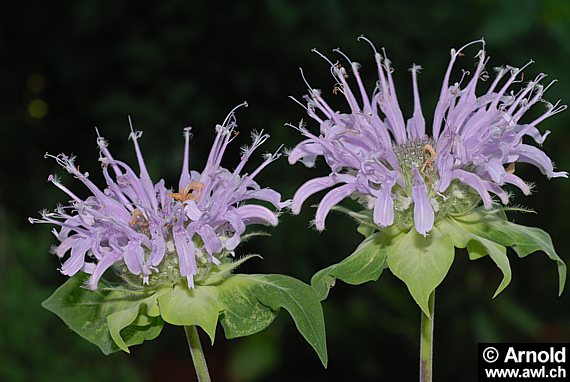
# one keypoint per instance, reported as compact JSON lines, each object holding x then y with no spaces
{"x":494,"y":227}
{"x":111,"y":318}
{"x":115,"y":319}
{"x":365,"y":264}
{"x":423,"y":262}
{"x":273,"y":292}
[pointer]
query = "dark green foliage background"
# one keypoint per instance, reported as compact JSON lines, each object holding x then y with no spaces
{"x":177,"y":63}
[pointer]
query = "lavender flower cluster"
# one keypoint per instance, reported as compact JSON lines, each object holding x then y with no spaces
{"x":394,"y":168}
{"x":154,"y":234}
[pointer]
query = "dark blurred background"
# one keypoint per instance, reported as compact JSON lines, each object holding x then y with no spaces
{"x":67,"y":66}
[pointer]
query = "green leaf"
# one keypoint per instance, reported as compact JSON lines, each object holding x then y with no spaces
{"x":464,"y":234}
{"x":243,"y":314}
{"x":117,"y":321}
{"x":301,"y":302}
{"x":421,"y":262}
{"x":186,"y":307}
{"x":524,"y":240}
{"x":366,"y":230}
{"x":114,"y":318}
{"x":104,"y":317}
{"x":497,"y":253}
{"x":247,"y":304}
{"x":252,"y":301}
{"x":365,"y":264}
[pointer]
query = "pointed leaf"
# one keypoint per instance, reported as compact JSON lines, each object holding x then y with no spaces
{"x":114,"y":318}
{"x":252,"y":301}
{"x":199,"y":306}
{"x":466,"y":235}
{"x":421,"y":262}
{"x":524,"y":240}
{"x":497,"y":253}
{"x":87,"y":313}
{"x":365,"y":264}
{"x":117,"y":321}
{"x":301,"y":302}
{"x":243,"y":314}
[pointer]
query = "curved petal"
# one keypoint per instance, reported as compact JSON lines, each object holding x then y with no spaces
{"x":384,"y":207}
{"x":476,"y":183}
{"x":315,"y":185}
{"x":77,"y":259}
{"x":158,"y":249}
{"x":212,"y":242}
{"x":516,"y":181}
{"x":377,"y":172}
{"x":105,"y":263}
{"x":532,"y":132}
{"x":254,"y":214}
{"x":423,"y":211}
{"x":186,"y":255}
{"x":134,"y":257}
{"x":237,"y":224}
{"x":65,"y":245}
{"x":536,"y":157}
{"x":444,"y":163}
{"x":307,"y":152}
{"x":235,"y":221}
{"x":332,"y":198}
{"x":192,"y":210}
{"x":266,"y":195}
{"x":495,"y":189}
{"x":495,"y":170}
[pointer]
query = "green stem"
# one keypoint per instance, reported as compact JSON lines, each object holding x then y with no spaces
{"x":197,"y":353}
{"x":426,"y":342}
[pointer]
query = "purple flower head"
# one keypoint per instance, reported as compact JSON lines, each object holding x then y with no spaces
{"x":403,"y":175}
{"x":150,"y":233}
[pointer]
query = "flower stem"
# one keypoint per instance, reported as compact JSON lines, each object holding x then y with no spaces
{"x":426,"y":341}
{"x":197,"y":353}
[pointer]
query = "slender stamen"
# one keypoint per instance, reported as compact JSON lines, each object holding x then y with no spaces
{"x":362,"y":37}
{"x":337,"y":50}
{"x":53,"y":179}
{"x":322,"y":56}
{"x":232,"y":112}
{"x":299,"y":102}
{"x":305,"y":80}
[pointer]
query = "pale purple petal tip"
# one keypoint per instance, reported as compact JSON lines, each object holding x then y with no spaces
{"x":312,"y":187}
{"x":384,"y":207}
{"x":254,"y":214}
{"x":475,"y":182}
{"x":423,"y":211}
{"x":331,"y":199}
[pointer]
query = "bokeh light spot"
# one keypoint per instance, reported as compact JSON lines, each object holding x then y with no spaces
{"x":38,"y":108}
